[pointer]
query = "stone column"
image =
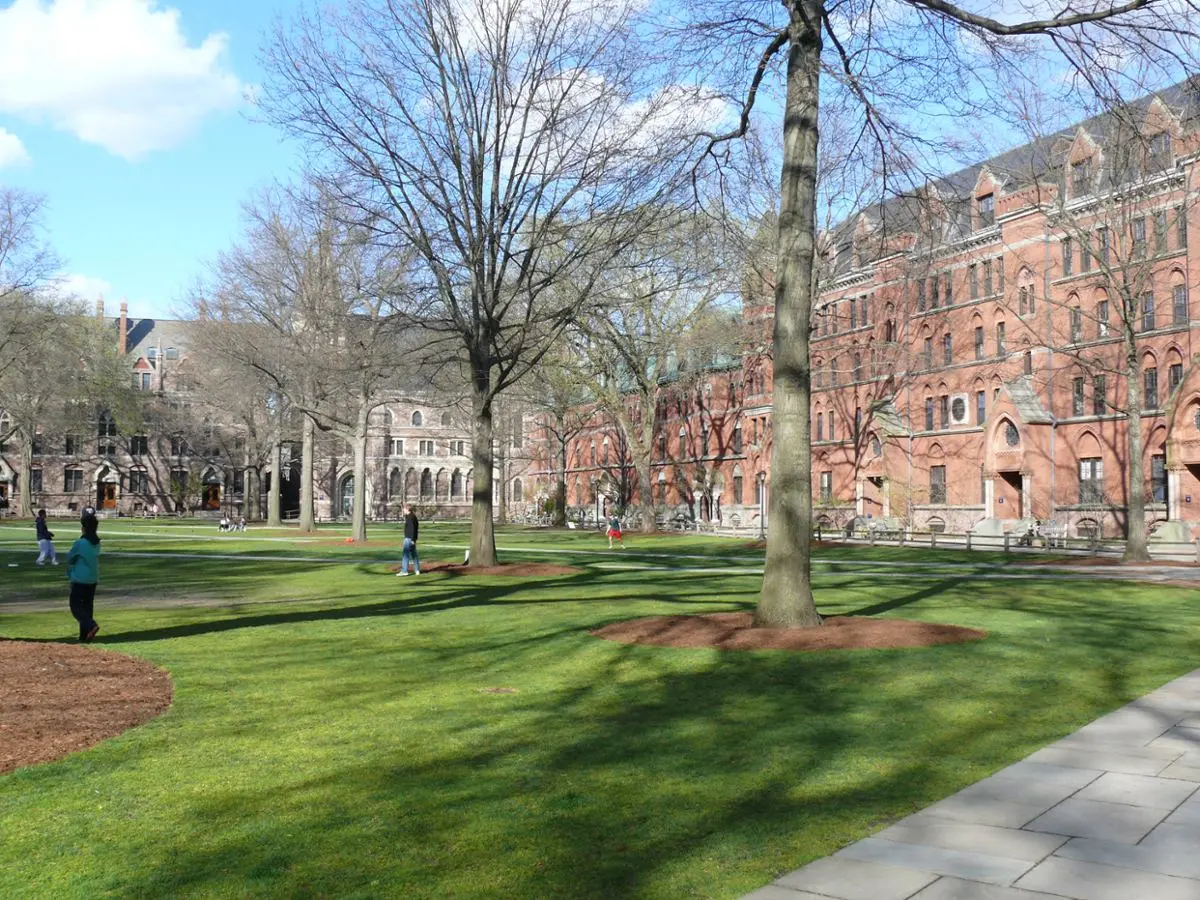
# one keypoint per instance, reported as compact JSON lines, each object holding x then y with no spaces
{"x":1173,"y":476}
{"x":1026,"y":495}
{"x":860,"y":501}
{"x":885,"y":491}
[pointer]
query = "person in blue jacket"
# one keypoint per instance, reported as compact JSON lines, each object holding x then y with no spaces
{"x":83,"y":571}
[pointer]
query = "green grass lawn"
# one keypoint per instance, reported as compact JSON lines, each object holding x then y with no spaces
{"x":331,"y":735}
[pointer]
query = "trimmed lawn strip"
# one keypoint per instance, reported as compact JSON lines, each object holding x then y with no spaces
{"x":331,"y":735}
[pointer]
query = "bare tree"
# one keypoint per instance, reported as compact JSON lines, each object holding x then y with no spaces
{"x":305,"y":302}
{"x":516,"y":146}
{"x":905,"y":64}
{"x":27,"y":265}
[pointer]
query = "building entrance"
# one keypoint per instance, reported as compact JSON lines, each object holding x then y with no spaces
{"x":1009,"y":498}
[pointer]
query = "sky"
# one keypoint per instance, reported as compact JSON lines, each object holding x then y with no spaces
{"x":131,"y":119}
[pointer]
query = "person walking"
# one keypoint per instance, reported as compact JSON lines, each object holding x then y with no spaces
{"x":45,"y":539}
{"x":83,"y":572}
{"x":411,"y":527}
{"x":614,"y":532}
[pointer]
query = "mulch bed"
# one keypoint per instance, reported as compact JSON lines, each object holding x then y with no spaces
{"x":736,"y":631}
{"x":512,"y":570}
{"x":56,"y":699}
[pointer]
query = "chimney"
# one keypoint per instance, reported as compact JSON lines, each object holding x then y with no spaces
{"x":123,"y":328}
{"x":99,"y":306}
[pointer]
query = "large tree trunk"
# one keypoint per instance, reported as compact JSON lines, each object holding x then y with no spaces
{"x":273,"y":495}
{"x":308,"y":516}
{"x":358,"y":515}
{"x":483,"y":533}
{"x":786,"y":600}
{"x":25,"y":494}
{"x":560,"y":487}
{"x":1136,"y":549}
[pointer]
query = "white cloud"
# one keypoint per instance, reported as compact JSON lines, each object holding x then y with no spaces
{"x":117,"y":73}
{"x":85,"y":287}
{"x":12,"y":151}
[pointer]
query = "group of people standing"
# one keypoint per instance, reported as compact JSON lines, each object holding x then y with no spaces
{"x":83,"y":567}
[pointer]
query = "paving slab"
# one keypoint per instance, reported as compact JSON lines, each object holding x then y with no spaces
{"x":1081,"y":880}
{"x":1187,"y":814}
{"x":1016,"y":790}
{"x":1073,"y":777}
{"x":949,"y":888}
{"x":851,"y":879}
{"x":1084,"y":758}
{"x":975,"y":866}
{"x":1138,"y":790}
{"x":1163,"y":857}
{"x":1174,"y":837}
{"x":1091,"y":818}
{"x":776,"y":892}
{"x":1182,"y":772}
{"x":1013,"y":843}
{"x":986,"y":811}
{"x":1183,"y":740}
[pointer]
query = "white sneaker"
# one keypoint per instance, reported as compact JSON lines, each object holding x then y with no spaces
{"x":418,"y":572}
{"x":401,"y":574}
{"x":54,"y":562}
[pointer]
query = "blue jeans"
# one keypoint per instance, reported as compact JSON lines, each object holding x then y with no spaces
{"x":410,"y":552}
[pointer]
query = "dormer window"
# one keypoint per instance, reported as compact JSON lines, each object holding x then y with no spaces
{"x":171,"y":353}
{"x":1081,"y":177}
{"x":987,"y":209}
{"x":152,"y":353}
{"x":1158,"y":154}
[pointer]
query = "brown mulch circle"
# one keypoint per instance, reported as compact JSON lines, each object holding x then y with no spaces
{"x":515,"y":570}
{"x":735,"y":631}
{"x":56,"y":699}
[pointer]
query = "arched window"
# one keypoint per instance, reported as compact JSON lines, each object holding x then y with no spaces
{"x":410,"y":484}
{"x":456,"y":485}
{"x":426,"y":485}
{"x":445,"y":420}
{"x":738,"y":486}
{"x":395,"y":485}
{"x":417,"y":419}
{"x":516,"y":491}
{"x":388,"y":418}
{"x":1012,"y":437}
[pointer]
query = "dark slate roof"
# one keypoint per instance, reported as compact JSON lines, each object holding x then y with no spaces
{"x":1013,"y":168}
{"x":163,"y":333}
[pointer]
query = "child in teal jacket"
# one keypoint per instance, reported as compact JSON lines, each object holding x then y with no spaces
{"x":83,"y":570}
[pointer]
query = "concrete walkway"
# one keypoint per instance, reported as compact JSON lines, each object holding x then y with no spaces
{"x":1111,"y":812}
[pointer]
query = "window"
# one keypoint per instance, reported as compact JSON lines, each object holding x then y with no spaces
{"x":826,"y":487}
{"x":1080,"y":176}
{"x":1160,"y":231}
{"x":973,"y":280}
{"x":833,"y":318}
{"x":820,"y":426}
{"x":920,"y":295}
{"x":987,"y":209}
{"x":1023,"y":293}
{"x":832,"y":431}
{"x":979,"y":342}
{"x":1139,"y":236}
{"x":1174,"y":377}
{"x":739,"y":487}
{"x":106,"y":433}
{"x":141,"y":381}
{"x":445,"y":420}
{"x":1076,"y":325}
{"x":517,"y":490}
{"x":947,"y":350}
{"x":948,"y":287}
{"x":833,"y":371}
{"x":1099,"y":395}
{"x":1091,"y":480}
{"x":72,"y":480}
{"x":889,"y":331}
{"x":417,"y":419}
{"x":858,"y":372}
{"x":1102,"y":235}
{"x":152,"y":353}
{"x":1150,"y":388}
{"x":1102,"y":319}
{"x":987,"y":278}
{"x":72,"y":443}
{"x":1158,"y":478}
{"x":1180,"y":229}
{"x":1027,"y":362}
{"x":1068,"y":256}
{"x":853,"y":313}
{"x":933,"y":292}
{"x":1179,"y":305}
{"x":1148,"y":311}
{"x":927,"y":353}
{"x":980,"y":407}
{"x":737,"y":438}
{"x":857,"y":423}
{"x":1085,"y":255}
{"x":1000,"y":272}
{"x":139,"y":445}
{"x":1077,"y":397}
{"x":36,"y":481}
{"x":139,"y":483}
{"x":1158,"y":154}
{"x":426,"y":448}
{"x":999,"y":338}
{"x":396,"y":447}
{"x":944,"y":410}
{"x":1012,"y":436}
{"x":171,"y":353}
{"x":876,"y":446}
{"x":38,"y":445}
{"x":929,"y":414}
{"x":937,"y":484}
{"x":178,"y":445}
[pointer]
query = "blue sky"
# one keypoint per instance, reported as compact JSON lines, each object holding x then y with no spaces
{"x":129,"y":116}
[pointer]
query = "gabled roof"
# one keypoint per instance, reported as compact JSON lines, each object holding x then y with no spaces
{"x":889,"y":420}
{"x":1025,"y":399}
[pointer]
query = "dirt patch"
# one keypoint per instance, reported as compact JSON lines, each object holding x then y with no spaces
{"x":59,"y":698}
{"x":735,"y":631}
{"x":511,"y":570}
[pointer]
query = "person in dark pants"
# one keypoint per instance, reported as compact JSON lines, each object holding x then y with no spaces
{"x":411,"y":526}
{"x":83,"y":571}
{"x":45,"y":539}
